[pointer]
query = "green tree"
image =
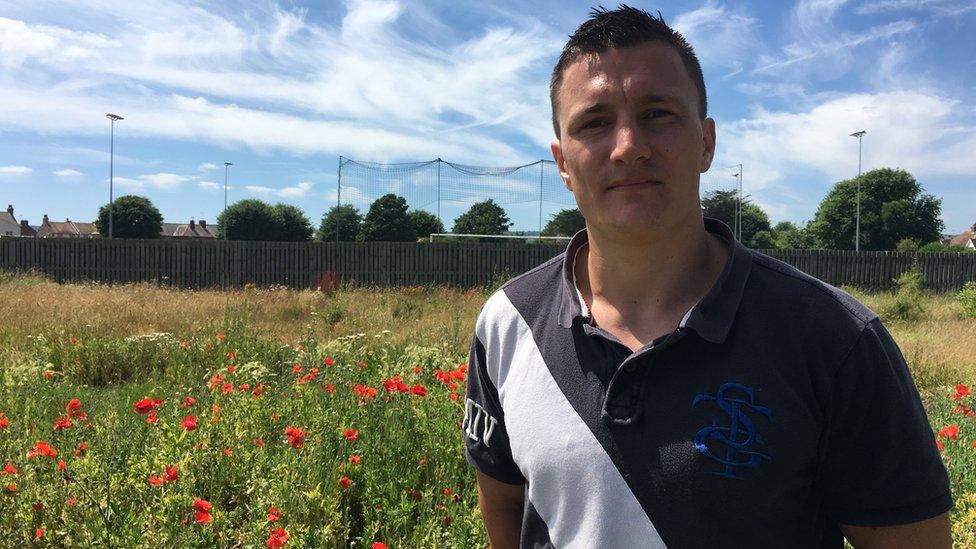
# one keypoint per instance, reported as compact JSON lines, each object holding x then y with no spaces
{"x":564,"y":223}
{"x":425,"y":223}
{"x":387,"y":221}
{"x":893,"y":207}
{"x":133,"y":217}
{"x":293,"y":225}
{"x":756,"y":232}
{"x":249,"y":219}
{"x":787,"y":236}
{"x":483,"y":218}
{"x":345,"y":219}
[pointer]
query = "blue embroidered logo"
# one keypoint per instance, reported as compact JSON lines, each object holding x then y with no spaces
{"x":739,"y":435}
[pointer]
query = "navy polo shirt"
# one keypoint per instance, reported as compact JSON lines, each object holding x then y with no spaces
{"x":777,"y":409}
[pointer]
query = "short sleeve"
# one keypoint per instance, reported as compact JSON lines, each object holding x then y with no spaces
{"x":879,"y":462}
{"x":487,"y":446}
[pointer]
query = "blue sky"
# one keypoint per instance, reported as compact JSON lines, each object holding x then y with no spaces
{"x":282,"y":89}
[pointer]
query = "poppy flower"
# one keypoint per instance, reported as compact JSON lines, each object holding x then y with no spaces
{"x":355,"y":459}
{"x":350,"y":434}
{"x":170,"y":473}
{"x":73,"y":406}
{"x":81,"y":449}
{"x":10,"y":469}
{"x":230,"y":356}
{"x":328,"y":361}
{"x":187,"y":402}
{"x":71,"y":502}
{"x":155,"y":481}
{"x":418,"y":370}
{"x":221,"y":336}
{"x":189,"y":423}
{"x":344,"y":482}
{"x":259,"y":442}
{"x":296,"y":368}
{"x":152,"y":417}
{"x":296,"y":436}
{"x":227,"y":388}
{"x":228,"y":451}
{"x":950,"y":431}
{"x":277,"y":538}
{"x":231,"y":368}
{"x":48,"y":374}
{"x":379,"y":545}
{"x":147,"y":405}
{"x":42,"y":449}
{"x":258,"y":389}
{"x":361,"y":364}
{"x":4,"y":421}
{"x":329,"y":388}
{"x":962,"y":391}
{"x":454,"y":397}
{"x":11,"y":487}
{"x":447,"y":492}
{"x":202,"y":508}
{"x":274,"y":515}
{"x":38,"y":534}
{"x":185,"y":344}
{"x":419,"y":390}
{"x":62,"y":465}
{"x":62,"y":423}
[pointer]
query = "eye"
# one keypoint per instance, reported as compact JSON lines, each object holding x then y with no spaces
{"x":595,"y":123}
{"x":657,"y":114}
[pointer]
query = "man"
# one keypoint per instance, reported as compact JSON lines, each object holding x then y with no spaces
{"x":661,"y":385}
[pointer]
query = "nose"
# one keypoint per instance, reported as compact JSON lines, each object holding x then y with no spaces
{"x":628,"y":146}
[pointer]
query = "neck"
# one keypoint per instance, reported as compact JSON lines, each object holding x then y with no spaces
{"x":657,"y":273}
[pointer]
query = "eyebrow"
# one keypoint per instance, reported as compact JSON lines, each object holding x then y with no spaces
{"x":649,"y":98}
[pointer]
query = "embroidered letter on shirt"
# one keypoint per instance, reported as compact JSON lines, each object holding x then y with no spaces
{"x":473,"y":414}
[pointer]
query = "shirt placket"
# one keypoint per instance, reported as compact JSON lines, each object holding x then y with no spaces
{"x":622,"y":402}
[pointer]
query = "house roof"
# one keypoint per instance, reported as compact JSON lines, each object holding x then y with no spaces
{"x":73,"y":228}
{"x":184,"y":230}
{"x":964,"y":238}
{"x":9,"y":217}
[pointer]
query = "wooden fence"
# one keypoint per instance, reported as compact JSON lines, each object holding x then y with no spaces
{"x":220,"y":264}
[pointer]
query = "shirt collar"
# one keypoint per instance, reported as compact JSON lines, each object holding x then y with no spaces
{"x":711,"y":318}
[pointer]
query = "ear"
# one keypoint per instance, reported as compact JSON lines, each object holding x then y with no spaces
{"x":708,"y":144}
{"x":557,"y":154}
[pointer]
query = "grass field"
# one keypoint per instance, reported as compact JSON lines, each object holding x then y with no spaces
{"x":139,"y":415}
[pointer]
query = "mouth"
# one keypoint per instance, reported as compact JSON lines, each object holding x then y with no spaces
{"x":635,"y":183}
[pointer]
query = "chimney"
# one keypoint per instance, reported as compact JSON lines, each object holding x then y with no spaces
{"x":974,"y":227}
{"x":10,"y":209}
{"x":45,"y":222}
{"x":192,"y":226}
{"x":203,"y":223}
{"x":24,"y":224}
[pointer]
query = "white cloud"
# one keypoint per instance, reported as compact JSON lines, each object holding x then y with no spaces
{"x":916,"y":131}
{"x":208,"y":166}
{"x":67,"y":173}
{"x":164,"y":181}
{"x":258,"y":189}
{"x":209,"y":185}
{"x":15,"y":170}
{"x":937,"y":7}
{"x":720,"y":38}
{"x":20,"y":42}
{"x":129,"y":183}
{"x":298,"y":191}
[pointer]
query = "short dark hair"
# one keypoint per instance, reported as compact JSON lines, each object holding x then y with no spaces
{"x":621,"y":28}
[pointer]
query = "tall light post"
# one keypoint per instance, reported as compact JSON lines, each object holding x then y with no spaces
{"x":111,"y":171}
{"x":857,"y":226}
{"x":226,"y":165}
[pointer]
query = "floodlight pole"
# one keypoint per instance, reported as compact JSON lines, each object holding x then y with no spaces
{"x":439,"y":190}
{"x":226,"y":165}
{"x":857,"y":227}
{"x":542,"y":165}
{"x":338,"y":199}
{"x":111,"y":172}
{"x":740,"y":202}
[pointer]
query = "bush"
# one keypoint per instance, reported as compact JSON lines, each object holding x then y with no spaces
{"x":967,"y":297}
{"x":907,"y":305}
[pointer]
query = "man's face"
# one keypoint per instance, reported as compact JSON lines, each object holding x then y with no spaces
{"x":632,"y":144}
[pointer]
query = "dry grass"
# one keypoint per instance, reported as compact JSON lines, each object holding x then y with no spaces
{"x":941,"y":347}
{"x":432,"y":315}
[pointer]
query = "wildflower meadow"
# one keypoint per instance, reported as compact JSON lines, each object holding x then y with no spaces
{"x":137,"y":416}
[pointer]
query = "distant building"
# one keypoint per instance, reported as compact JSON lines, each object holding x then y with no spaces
{"x":67,"y":229}
{"x":966,"y":238}
{"x":183,"y":230}
{"x":8,"y":224}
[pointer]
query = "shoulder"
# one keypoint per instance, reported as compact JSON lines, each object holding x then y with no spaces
{"x":523,"y":297}
{"x":805,"y":294}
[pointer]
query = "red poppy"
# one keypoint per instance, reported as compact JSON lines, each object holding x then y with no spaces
{"x":147,"y":405}
{"x":231,"y":369}
{"x":48,"y":374}
{"x":361,"y":364}
{"x":447,"y":520}
{"x":11,"y":487}
{"x":950,"y":431}
{"x":344,"y":482}
{"x":379,"y":545}
{"x":185,"y":344}
{"x":277,"y":538}
{"x":274,"y":515}
{"x":152,"y":417}
{"x":328,"y":361}
{"x":258,"y":389}
{"x":296,"y":368}
{"x":62,"y":465}
{"x":355,"y":459}
{"x":938,"y":444}
{"x":10,"y":469}
{"x":73,"y":406}
{"x":170,"y":473}
{"x":202,"y":508}
{"x":43,"y":449}
{"x":228,"y":451}
{"x":227,"y":388}
{"x":447,"y":492}
{"x":71,"y":502}
{"x":961,"y":391}
{"x":419,"y":390}
{"x":38,"y":534}
{"x":189,"y":423}
{"x":350,"y":434}
{"x":230,"y":356}
{"x":418,"y":370}
{"x":296,"y":436}
{"x":81,"y":449}
{"x":221,"y":336}
{"x":454,"y":397}
{"x":187,"y":402}
{"x":4,"y":421}
{"x":155,"y":481}
{"x":215,"y":408}
{"x":329,"y":388}
{"x":62,"y":423}
{"x":259,"y":442}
